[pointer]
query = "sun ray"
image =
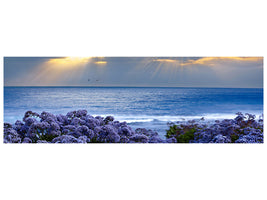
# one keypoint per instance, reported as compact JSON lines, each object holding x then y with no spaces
{"x":64,"y":68}
{"x":68,"y":62}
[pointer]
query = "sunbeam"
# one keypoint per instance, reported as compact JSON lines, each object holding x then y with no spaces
{"x":56,"y":70}
{"x":68,"y":62}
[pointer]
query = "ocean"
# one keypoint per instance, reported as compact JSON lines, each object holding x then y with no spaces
{"x":149,"y":108}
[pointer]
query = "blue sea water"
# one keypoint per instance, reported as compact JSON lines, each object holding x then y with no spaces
{"x":148,"y":108}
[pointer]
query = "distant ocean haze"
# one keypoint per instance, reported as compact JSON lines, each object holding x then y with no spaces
{"x":148,"y":108}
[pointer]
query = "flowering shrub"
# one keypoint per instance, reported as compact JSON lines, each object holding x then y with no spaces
{"x":242,"y":129}
{"x":79,"y":127}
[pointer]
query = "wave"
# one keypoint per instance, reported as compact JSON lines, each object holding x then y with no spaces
{"x":169,"y":118}
{"x":156,"y":118}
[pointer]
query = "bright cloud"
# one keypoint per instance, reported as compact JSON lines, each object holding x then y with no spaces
{"x":68,"y":62}
{"x":212,"y":61}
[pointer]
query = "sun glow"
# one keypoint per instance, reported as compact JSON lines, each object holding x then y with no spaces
{"x":56,"y":70}
{"x":100,"y":62}
{"x":74,"y":62}
{"x":69,"y":62}
{"x":165,"y":60}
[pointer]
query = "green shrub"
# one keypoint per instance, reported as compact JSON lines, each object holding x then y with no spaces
{"x":174,"y":130}
{"x":187,"y":136}
{"x":234,"y":137}
{"x":43,"y":135}
{"x":183,"y":134}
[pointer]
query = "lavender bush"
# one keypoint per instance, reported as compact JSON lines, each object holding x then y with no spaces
{"x":242,"y":129}
{"x":80,"y":127}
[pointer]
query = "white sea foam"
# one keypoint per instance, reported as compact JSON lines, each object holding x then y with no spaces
{"x":156,"y":118}
{"x":167,"y":118}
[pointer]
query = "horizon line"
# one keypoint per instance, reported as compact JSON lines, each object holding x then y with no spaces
{"x":75,"y":86}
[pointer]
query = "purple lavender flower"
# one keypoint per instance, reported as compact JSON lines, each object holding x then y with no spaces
{"x":54,"y":126}
{"x":240,"y":117}
{"x":7,"y":125}
{"x":18,"y":124}
{"x":221,"y":139}
{"x":77,"y":122}
{"x":108,"y":134}
{"x":92,"y":122}
{"x":43,"y":125}
{"x":49,"y":120}
{"x":81,"y":113}
{"x":23,"y":130}
{"x":155,"y":139}
{"x":250,"y":116}
{"x":247,"y":130}
{"x":108,"y":119}
{"x":204,"y":137}
{"x":125,"y":131}
{"x":44,"y":115}
{"x":71,"y":114}
{"x":78,"y":127}
{"x":30,"y":114}
{"x":171,"y":140}
{"x":247,"y":139}
{"x":229,"y":130}
{"x":11,"y":135}
{"x":122,"y":123}
{"x":138,"y":138}
{"x":101,"y":120}
{"x":146,"y":132}
{"x":29,"y":121}
{"x":27,"y":140}
{"x":62,"y":120}
{"x":227,"y":122}
{"x":65,"y":139}
{"x":82,"y":129}
{"x":83,"y":139}
{"x":43,"y":131}
{"x":75,"y":134}
{"x":140,"y":130}
{"x":42,"y":141}
{"x":112,"y":138}
{"x":32,"y":132}
{"x":91,"y":134}
{"x":97,"y":129}
{"x":124,"y":139}
{"x":69,"y":128}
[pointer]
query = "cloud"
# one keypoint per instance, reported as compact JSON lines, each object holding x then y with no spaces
{"x":68,"y":62}
{"x":136,"y":71}
{"x":165,"y":60}
{"x":212,"y":61}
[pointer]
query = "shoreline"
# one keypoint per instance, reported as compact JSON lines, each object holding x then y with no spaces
{"x":80,"y":127}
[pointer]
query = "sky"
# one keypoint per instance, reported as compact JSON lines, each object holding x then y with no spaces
{"x":233,"y":72}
